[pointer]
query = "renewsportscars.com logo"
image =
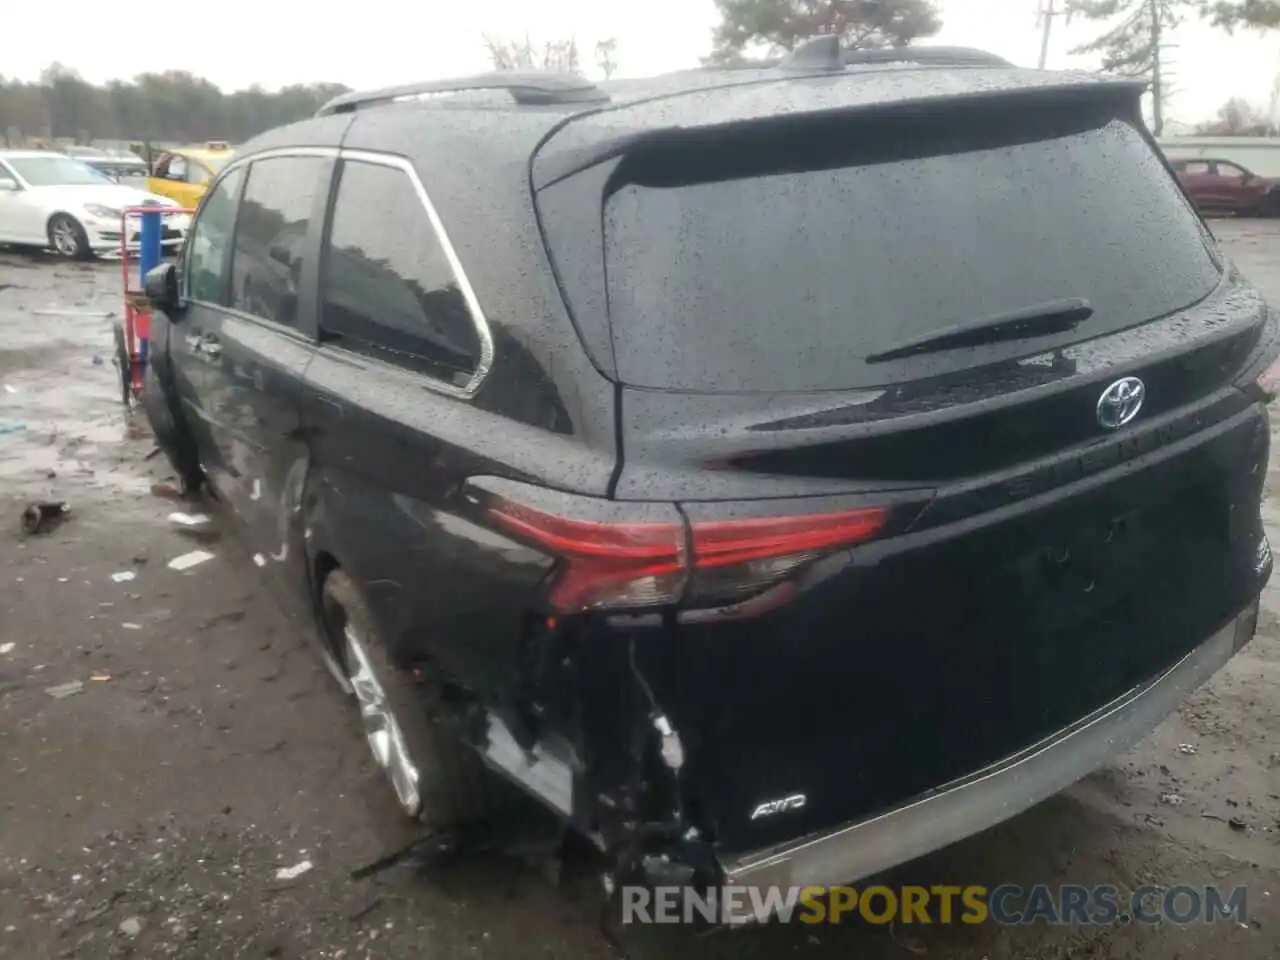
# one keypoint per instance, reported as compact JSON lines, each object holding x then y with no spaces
{"x":1007,"y":905}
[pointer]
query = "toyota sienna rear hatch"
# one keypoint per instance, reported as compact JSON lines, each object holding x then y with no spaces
{"x":922,"y":309}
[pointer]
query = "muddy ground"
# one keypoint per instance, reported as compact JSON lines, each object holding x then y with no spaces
{"x":148,"y":814}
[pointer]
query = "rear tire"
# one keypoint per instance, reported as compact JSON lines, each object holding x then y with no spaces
{"x":67,"y":238}
{"x":437,"y":779}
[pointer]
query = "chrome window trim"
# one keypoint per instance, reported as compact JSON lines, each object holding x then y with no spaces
{"x":478,"y":319}
{"x":395,"y":162}
{"x":235,"y":164}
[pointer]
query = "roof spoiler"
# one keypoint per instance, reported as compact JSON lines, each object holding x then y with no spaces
{"x":531,"y":88}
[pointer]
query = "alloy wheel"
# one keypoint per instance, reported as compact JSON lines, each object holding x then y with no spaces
{"x":381,"y":729}
{"x":65,"y":240}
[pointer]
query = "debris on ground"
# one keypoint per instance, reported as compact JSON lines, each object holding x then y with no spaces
{"x":64,"y":690}
{"x":100,"y":678}
{"x":131,"y":926}
{"x":123,"y":576}
{"x":12,"y":426}
{"x":7,"y":647}
{"x":10,"y":388}
{"x":189,"y":519}
{"x":166,"y":490}
{"x":1172,"y":799}
{"x":259,"y":559}
{"x":43,"y":517}
{"x":294,"y":872}
{"x":188,"y":560}
{"x":1189,"y":749}
{"x":1235,"y":823}
{"x":131,"y":626}
{"x":54,"y":312}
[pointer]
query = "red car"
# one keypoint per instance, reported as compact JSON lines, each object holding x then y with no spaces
{"x":1225,"y":186}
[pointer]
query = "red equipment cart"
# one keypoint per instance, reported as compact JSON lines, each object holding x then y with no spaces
{"x":133,"y":334}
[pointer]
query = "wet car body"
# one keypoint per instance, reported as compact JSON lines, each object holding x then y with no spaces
{"x":787,"y":618}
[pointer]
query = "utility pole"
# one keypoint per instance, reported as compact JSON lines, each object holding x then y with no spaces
{"x":1157,"y":81}
{"x":1047,"y":14}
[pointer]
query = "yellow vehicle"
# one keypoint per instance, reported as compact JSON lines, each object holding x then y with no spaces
{"x":185,"y":173}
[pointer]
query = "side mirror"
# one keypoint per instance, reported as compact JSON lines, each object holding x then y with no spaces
{"x":8,"y":185}
{"x":161,"y":288}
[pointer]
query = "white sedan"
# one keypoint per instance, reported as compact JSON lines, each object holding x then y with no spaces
{"x":56,"y":201}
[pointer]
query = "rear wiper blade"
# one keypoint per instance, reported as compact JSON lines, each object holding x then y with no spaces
{"x":1037,"y":320}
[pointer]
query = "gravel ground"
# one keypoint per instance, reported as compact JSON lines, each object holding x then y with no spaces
{"x":148,"y":813}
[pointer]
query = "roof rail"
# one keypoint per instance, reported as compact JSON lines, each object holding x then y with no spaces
{"x":939,"y":56}
{"x":527,"y":88}
{"x":824,"y":53}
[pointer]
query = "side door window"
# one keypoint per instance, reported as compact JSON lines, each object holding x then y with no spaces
{"x":177,"y":169}
{"x":388,"y":288}
{"x":1193,"y":168}
{"x":161,"y":168}
{"x":198,"y":173}
{"x":209,"y":245}
{"x":271,"y":234}
{"x":1229,"y":172}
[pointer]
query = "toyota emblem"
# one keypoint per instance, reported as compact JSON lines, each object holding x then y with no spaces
{"x":1121,"y":402}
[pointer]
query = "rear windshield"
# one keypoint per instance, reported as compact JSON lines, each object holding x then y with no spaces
{"x":780,"y":264}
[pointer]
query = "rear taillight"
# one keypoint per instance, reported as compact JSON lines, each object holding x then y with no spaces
{"x":736,"y":559}
{"x":602,"y":563}
{"x":622,"y":563}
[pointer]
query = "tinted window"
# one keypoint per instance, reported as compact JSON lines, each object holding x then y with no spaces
{"x":1230,"y":171}
{"x":271,"y":231}
{"x":781,"y":264}
{"x":1195,"y":167}
{"x":388,"y":288}
{"x":209,"y":244}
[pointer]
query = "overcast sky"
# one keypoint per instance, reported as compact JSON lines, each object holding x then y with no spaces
{"x":376,"y":42}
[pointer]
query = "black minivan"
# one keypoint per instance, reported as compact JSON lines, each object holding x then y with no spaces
{"x":777,"y":472}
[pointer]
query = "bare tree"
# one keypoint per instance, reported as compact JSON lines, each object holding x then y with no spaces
{"x":605,"y":50}
{"x":558,"y":55}
{"x":1236,"y":118}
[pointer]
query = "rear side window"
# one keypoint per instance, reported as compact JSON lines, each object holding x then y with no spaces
{"x":209,"y":244}
{"x":271,"y":234}
{"x":780,"y":264}
{"x":388,"y":288}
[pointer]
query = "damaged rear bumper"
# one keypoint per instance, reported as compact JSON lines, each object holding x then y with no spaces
{"x":988,"y":796}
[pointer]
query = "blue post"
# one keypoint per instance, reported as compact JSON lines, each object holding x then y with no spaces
{"x":149,"y":243}
{"x":148,"y":259}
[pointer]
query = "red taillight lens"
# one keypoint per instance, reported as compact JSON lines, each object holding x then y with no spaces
{"x":718,"y":543}
{"x":603,"y":564}
{"x":621,"y":564}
